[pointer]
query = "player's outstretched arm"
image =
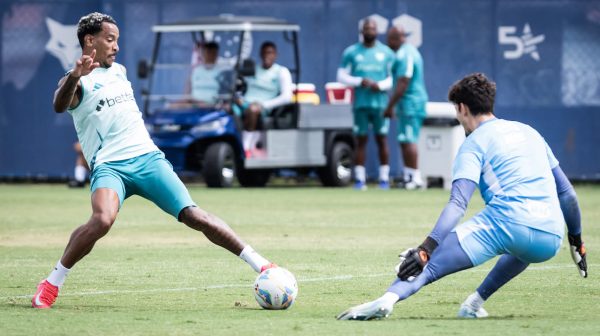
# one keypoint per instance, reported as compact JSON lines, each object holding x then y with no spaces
{"x":412,"y":261}
{"x":572,"y":215}
{"x":65,"y":95}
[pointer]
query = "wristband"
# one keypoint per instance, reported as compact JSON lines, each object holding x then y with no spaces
{"x":428,"y":245}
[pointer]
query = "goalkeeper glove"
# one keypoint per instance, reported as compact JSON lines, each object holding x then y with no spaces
{"x":413,"y":260}
{"x":578,"y":253}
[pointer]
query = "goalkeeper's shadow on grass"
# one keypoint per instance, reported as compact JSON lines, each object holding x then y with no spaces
{"x":268,"y":311}
{"x":454,"y":318}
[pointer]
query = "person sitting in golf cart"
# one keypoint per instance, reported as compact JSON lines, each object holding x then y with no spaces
{"x":208,"y":79}
{"x":270,"y":87}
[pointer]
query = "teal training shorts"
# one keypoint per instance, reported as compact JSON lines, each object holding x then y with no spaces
{"x":365,"y":116}
{"x":239,"y":110}
{"x":150,"y":176}
{"x":409,"y":128}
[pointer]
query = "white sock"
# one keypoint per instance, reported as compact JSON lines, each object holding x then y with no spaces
{"x":384,"y":173}
{"x":416,"y":176}
{"x":255,"y":138}
{"x":246,"y":139}
{"x":80,"y":173}
{"x":475,"y":301}
{"x":58,"y":275}
{"x":407,"y":172}
{"x":389,"y":298}
{"x":360,"y":173}
{"x":255,"y":260}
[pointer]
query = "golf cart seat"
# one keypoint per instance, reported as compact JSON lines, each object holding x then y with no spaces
{"x":282,"y":117}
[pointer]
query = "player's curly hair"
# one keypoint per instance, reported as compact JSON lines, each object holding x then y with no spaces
{"x":92,"y":24}
{"x":476,"y":91}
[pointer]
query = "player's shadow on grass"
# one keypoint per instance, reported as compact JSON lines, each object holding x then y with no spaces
{"x":454,"y":318}
{"x":15,"y":305}
{"x":18,"y":303}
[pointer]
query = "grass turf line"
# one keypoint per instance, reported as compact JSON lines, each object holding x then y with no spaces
{"x":316,"y":233}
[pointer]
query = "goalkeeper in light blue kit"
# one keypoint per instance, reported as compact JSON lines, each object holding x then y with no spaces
{"x":524,"y":190}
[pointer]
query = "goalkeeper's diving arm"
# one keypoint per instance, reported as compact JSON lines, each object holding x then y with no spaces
{"x":412,"y":261}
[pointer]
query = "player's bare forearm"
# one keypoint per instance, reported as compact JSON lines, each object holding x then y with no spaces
{"x":67,"y":87}
{"x":63,"y":96}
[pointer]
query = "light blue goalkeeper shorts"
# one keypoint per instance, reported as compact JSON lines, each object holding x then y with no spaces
{"x":150,"y":176}
{"x":482,"y":239}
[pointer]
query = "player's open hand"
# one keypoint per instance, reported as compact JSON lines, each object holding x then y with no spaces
{"x":366,"y":83}
{"x":255,"y":108}
{"x":85,"y":65}
{"x":375,"y":87}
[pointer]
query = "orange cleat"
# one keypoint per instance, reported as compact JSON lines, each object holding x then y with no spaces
{"x":45,"y":296}
{"x":267,"y":266}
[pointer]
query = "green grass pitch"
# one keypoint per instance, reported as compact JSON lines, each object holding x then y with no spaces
{"x":153,"y":276}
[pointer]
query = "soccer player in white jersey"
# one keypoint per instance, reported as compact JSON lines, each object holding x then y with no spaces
{"x":524,"y":190}
{"x":123,"y":159}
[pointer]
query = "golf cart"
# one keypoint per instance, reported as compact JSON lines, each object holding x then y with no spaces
{"x":207,"y":139}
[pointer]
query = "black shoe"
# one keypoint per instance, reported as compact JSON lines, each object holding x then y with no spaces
{"x":76,"y":184}
{"x":410,"y":185}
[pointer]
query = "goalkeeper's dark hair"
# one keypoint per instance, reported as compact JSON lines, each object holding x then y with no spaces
{"x":92,"y":24}
{"x":476,"y":91}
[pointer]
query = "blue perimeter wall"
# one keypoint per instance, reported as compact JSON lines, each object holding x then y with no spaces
{"x":544,"y":56}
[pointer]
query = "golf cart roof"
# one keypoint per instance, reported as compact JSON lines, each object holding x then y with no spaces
{"x":227,"y":22}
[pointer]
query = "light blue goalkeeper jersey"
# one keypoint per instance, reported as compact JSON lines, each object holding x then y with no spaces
{"x":409,"y":64}
{"x":108,"y":121}
{"x":374,"y":63}
{"x":512,"y":164}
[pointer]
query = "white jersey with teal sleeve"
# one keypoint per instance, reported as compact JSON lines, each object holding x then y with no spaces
{"x":409,"y":64}
{"x":512,"y":164}
{"x":108,"y":121}
{"x":374,"y":63}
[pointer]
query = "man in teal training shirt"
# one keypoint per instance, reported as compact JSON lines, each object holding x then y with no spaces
{"x":366,"y":66}
{"x":409,"y":97}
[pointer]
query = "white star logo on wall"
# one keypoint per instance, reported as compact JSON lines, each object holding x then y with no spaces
{"x":524,"y":44}
{"x":530,"y":42}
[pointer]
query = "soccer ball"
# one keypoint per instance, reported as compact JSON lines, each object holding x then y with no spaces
{"x":275,"y":288}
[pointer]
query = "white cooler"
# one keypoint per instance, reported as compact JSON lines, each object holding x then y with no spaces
{"x":440,"y":138}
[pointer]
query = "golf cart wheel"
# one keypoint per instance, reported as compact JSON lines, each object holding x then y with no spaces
{"x":219,"y":165}
{"x":338,"y":172}
{"x":253,"y":177}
